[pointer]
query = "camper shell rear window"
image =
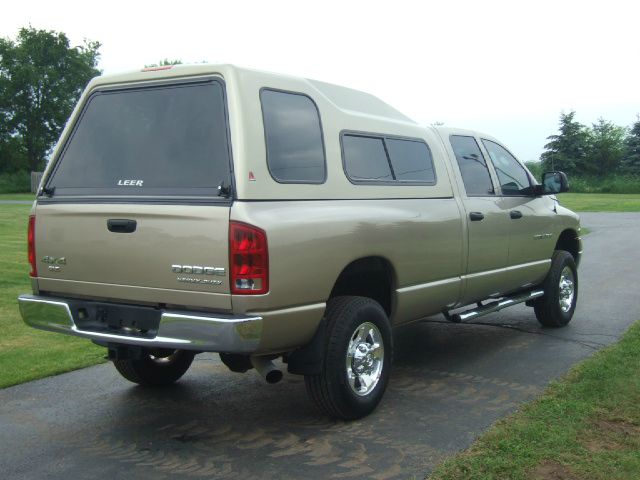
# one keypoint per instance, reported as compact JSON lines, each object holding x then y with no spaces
{"x":164,"y":140}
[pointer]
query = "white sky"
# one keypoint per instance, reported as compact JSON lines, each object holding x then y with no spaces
{"x":504,"y":67}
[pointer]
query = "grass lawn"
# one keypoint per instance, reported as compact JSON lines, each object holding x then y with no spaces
{"x":17,"y":196}
{"x":585,"y":426}
{"x":25,"y":353}
{"x":600,"y":202}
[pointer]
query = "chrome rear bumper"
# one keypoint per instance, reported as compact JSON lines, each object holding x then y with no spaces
{"x":180,"y":330}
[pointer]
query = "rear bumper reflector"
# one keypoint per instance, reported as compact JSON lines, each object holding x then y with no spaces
{"x":180,"y":330}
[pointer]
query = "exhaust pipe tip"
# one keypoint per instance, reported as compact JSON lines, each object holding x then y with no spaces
{"x":274,"y":376}
{"x":267,"y":369}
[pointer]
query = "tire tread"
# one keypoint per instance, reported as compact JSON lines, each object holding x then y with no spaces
{"x":320,"y":387}
{"x":546,"y":308}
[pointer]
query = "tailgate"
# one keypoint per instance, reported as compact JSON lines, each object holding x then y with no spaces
{"x":173,"y":247}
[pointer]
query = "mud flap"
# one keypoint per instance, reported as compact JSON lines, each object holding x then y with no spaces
{"x":308,"y":360}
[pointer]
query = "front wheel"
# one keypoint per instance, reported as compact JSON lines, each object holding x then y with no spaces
{"x":556,"y":307}
{"x":156,"y":367}
{"x":357,"y":359}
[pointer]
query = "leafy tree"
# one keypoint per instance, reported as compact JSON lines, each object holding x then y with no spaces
{"x":163,"y":63}
{"x":567,"y":151}
{"x":13,"y":157}
{"x":631,"y":162}
{"x":41,"y":78}
{"x":606,"y":149}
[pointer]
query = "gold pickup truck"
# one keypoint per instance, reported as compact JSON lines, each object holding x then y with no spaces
{"x":211,"y":208}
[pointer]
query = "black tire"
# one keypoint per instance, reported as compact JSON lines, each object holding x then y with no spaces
{"x":332,"y":391}
{"x":163,"y":368}
{"x":554,"y":309}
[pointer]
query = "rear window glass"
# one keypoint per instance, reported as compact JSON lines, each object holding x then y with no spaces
{"x":387,"y":159}
{"x":156,"y":141}
{"x":293,"y":134}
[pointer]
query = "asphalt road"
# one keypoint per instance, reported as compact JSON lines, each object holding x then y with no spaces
{"x":450,"y":382}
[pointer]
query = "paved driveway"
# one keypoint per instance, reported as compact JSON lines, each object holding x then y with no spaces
{"x":449,"y":384}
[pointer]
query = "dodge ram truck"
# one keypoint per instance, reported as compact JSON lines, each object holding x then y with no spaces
{"x":212,"y":208}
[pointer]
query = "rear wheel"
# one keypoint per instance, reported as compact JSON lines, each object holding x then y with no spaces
{"x":357,"y":359}
{"x":155,"y":367}
{"x":556,"y":307}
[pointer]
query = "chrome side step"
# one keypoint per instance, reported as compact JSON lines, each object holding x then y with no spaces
{"x":494,"y":306}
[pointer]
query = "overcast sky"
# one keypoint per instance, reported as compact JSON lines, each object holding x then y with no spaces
{"x":507,"y":68}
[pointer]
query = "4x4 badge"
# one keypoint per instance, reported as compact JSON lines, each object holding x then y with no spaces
{"x":54,"y":260}
{"x":55,"y":263}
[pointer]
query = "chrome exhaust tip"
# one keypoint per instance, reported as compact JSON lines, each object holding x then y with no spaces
{"x":267,"y":369}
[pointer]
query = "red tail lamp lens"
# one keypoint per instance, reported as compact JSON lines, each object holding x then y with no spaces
{"x":248,"y":259}
{"x":31,"y":246}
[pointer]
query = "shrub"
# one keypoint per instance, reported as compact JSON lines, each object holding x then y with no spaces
{"x":535,"y":168}
{"x":18,"y":182}
{"x":610,"y":184}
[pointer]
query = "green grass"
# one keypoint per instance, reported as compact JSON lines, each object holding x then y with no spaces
{"x":585,"y":426}
{"x":17,"y":196}
{"x":25,"y":353}
{"x":600,"y":202}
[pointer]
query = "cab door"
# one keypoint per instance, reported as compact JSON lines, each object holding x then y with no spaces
{"x":487,"y":224}
{"x":530,"y":219}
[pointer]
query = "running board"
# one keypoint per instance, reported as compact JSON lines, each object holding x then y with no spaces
{"x":494,"y":306}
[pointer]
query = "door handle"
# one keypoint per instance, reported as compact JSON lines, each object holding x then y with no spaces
{"x":121,"y":225}
{"x":515,"y":214}
{"x":476,"y":216}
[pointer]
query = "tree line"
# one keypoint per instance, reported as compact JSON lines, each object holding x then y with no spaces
{"x":41,"y":79}
{"x":602,"y":150}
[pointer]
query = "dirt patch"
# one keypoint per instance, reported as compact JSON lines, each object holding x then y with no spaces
{"x":601,"y":445}
{"x":607,"y":435}
{"x":620,"y":427}
{"x":552,"y":470}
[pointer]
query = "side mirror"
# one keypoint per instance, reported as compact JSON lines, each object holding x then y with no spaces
{"x":554,"y":182}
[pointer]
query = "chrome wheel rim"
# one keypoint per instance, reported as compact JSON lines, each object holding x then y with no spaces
{"x":567,"y":289}
{"x":365,"y":359}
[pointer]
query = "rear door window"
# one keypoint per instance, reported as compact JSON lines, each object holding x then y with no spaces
{"x":473,"y":167}
{"x":293,"y":134}
{"x":168,"y":140}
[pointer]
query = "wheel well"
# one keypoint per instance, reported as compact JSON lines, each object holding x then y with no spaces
{"x":569,"y":242}
{"x":371,"y":277}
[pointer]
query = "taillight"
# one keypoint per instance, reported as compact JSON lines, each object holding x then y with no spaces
{"x":31,"y":245}
{"x":248,"y":259}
